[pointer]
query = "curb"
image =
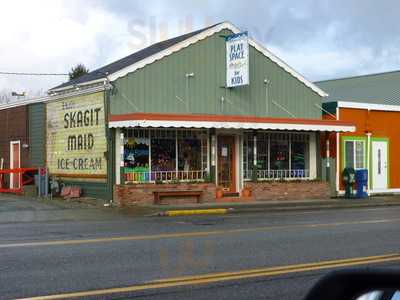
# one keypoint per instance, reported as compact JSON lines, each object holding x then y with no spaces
{"x":239,"y":210}
{"x":192,"y":212}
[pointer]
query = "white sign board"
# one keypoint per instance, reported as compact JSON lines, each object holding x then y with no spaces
{"x":237,"y":60}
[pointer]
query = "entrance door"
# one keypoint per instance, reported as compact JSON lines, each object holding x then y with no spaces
{"x":379,"y":165}
{"x":226,"y":163}
{"x":15,"y":163}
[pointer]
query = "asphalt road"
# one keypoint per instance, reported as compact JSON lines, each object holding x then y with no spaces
{"x":81,"y":251}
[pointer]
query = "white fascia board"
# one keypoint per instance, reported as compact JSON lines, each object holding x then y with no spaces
{"x":287,"y":68}
{"x":229,"y":125}
{"x":75,"y":93}
{"x":68,"y":87}
{"x":22,"y":103}
{"x":205,"y":34}
{"x":175,"y":48}
{"x":368,"y":106}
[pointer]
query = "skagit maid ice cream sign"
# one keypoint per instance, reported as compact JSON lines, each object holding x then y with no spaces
{"x":237,"y":59}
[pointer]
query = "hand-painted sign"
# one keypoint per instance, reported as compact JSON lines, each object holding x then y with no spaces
{"x":237,"y":60}
{"x":76,"y":141}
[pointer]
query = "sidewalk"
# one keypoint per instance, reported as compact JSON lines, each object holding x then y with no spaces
{"x":279,"y":206}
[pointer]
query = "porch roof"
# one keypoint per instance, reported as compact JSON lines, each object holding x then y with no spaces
{"x":157,"y":120}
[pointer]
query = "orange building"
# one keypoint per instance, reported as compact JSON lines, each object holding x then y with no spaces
{"x":372,"y":103}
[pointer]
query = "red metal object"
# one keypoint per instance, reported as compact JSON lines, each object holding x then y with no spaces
{"x":26,"y":177}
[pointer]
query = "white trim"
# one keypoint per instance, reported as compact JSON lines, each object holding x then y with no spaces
{"x":312,"y":156}
{"x":337,"y":153}
{"x":22,"y":103}
{"x":368,"y":106}
{"x":229,"y":125}
{"x":237,"y":164}
{"x":287,"y":68}
{"x":12,"y":163}
{"x":118,"y":150}
{"x":54,"y":97}
{"x":376,"y":192}
{"x":196,"y":38}
{"x":100,"y":80}
{"x":369,"y":160}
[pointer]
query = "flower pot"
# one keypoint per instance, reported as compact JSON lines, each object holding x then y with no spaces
{"x":246,"y":192}
{"x":219,"y":194}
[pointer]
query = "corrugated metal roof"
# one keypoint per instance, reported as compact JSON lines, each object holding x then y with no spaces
{"x":130,"y":59}
{"x":381,"y":88}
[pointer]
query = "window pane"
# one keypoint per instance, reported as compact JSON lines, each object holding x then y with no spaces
{"x":163,"y":151}
{"x":189,"y":152}
{"x":349,"y":153}
{"x":299,"y":156}
{"x":262,"y":152}
{"x":279,"y":152}
{"x":248,"y":154}
{"x":136,"y":155}
{"x":359,"y":154}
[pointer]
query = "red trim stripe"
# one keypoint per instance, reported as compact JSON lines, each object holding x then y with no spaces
{"x":222,"y":118}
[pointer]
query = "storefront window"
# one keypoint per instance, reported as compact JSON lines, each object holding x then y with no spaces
{"x":279,"y":152}
{"x":262,"y":151}
{"x":136,"y":155}
{"x":299,"y":155}
{"x":191,"y":154}
{"x":279,"y":155}
{"x":165,"y":155}
{"x":248,"y":155}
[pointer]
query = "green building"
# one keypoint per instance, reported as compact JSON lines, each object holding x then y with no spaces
{"x":211,"y":115}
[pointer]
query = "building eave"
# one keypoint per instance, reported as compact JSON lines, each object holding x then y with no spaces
{"x":226,"y":122}
{"x":194,"y":39}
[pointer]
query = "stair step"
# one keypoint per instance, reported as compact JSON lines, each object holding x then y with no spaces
{"x":230,"y":194}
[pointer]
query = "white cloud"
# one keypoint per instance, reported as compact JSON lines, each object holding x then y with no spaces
{"x":53,"y":37}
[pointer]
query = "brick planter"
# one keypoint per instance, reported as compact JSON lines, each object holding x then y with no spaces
{"x":137,"y":194}
{"x":289,"y":190}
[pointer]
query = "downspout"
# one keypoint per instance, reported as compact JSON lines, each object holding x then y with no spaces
{"x":337,"y":154}
{"x":368,"y":161}
{"x":328,"y":163}
{"x":369,"y":134}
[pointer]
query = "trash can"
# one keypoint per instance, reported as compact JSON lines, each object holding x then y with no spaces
{"x":361,"y":183}
{"x":349,"y":180}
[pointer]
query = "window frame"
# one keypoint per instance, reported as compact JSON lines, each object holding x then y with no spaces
{"x":175,"y":134}
{"x":354,"y":140}
{"x":289,"y":137}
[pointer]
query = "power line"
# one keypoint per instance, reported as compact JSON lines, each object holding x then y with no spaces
{"x":32,"y":74}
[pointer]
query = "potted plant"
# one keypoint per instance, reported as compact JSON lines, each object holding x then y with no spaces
{"x":246,"y":192}
{"x":219,"y":193}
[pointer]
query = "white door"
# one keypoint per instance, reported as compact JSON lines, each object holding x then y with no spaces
{"x":15,"y":163}
{"x":379,"y":165}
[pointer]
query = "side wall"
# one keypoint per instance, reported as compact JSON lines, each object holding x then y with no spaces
{"x":77,"y":146}
{"x":37,"y":134}
{"x":163,"y":87}
{"x":14,"y":127}
{"x":381,"y":124}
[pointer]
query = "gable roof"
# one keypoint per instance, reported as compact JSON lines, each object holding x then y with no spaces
{"x":379,"y":88}
{"x":159,"y":50}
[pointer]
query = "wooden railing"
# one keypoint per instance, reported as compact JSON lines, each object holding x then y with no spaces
{"x":164,"y":176}
{"x":277,"y":174}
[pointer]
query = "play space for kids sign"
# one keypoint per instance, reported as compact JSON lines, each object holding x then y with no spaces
{"x":237,"y":60}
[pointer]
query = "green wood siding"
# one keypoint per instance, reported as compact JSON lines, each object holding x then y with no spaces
{"x":37,"y":134}
{"x":157,"y":86}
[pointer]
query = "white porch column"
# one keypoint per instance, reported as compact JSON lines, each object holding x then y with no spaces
{"x":313,"y":155}
{"x":119,"y":154}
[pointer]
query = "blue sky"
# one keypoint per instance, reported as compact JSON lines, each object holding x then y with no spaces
{"x":319,"y":38}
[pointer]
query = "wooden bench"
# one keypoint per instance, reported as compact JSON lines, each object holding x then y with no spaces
{"x":158,"y":195}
